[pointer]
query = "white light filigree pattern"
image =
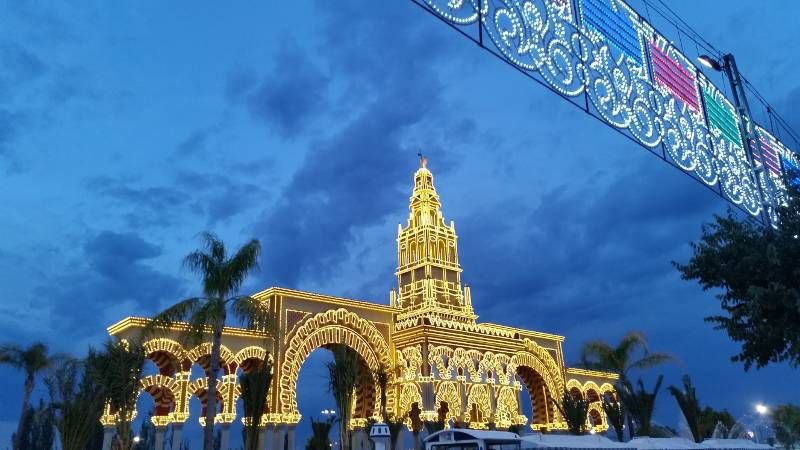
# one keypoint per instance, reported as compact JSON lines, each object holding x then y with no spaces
{"x":635,"y":80}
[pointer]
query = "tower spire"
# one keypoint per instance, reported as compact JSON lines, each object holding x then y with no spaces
{"x":428,"y":272}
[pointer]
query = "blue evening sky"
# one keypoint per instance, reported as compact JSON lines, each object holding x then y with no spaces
{"x":128,"y":127}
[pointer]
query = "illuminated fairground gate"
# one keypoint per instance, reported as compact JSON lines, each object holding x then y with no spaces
{"x":443,"y":364}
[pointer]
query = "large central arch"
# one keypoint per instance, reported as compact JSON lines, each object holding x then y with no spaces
{"x":542,"y":377}
{"x":336,"y":326}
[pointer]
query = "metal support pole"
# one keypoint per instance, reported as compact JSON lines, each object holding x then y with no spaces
{"x":746,"y":124}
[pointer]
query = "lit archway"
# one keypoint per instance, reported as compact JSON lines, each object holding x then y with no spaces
{"x":333,"y":327}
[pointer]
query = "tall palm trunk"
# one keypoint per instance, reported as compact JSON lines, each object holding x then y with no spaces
{"x":211,"y":398}
{"x":26,"y":399}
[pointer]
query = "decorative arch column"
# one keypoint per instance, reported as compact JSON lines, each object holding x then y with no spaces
{"x":335,"y":326}
{"x":545,"y":383}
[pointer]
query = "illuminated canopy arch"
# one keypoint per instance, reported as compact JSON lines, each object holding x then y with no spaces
{"x":542,"y":377}
{"x":201,"y":354}
{"x":479,"y":407}
{"x":336,"y":326}
{"x":199,"y":389}
{"x":245,"y":357}
{"x":163,"y":390}
{"x":447,"y":394}
{"x":168,"y":355}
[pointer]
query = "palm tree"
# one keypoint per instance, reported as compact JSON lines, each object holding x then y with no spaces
{"x":343,"y":372}
{"x":222,"y":277}
{"x":615,"y":415}
{"x":575,"y":411}
{"x":381,"y":376}
{"x":690,"y":407}
{"x":77,"y":400}
{"x":639,"y":403}
{"x":320,"y":434}
{"x":255,"y":386}
{"x":395,"y":425}
{"x":32,"y":360}
{"x":599,"y":355}
{"x":416,"y":423}
{"x":119,"y":372}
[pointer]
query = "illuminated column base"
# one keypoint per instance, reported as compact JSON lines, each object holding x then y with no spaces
{"x":225,"y":436}
{"x":108,"y":436}
{"x":177,"y":435}
{"x":277,"y":437}
{"x":266,"y":438}
{"x":160,"y":437}
{"x":290,"y":437}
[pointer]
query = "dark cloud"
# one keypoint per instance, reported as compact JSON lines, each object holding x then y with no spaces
{"x":112,"y":271}
{"x":240,"y":81}
{"x":222,"y":197}
{"x":584,"y":253}
{"x":9,"y":124}
{"x":141,"y":206}
{"x":214,"y":197}
{"x":354,"y":177}
{"x":20,"y":65}
{"x":291,"y":96}
{"x":193,"y":144}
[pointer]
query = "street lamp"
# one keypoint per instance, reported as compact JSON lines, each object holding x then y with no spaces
{"x":136,"y":439}
{"x":709,"y":62}
{"x":727,"y":65}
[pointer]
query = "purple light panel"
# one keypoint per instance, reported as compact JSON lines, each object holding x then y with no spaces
{"x":670,"y":74}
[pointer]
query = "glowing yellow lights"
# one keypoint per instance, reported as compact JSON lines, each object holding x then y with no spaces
{"x":440,"y":360}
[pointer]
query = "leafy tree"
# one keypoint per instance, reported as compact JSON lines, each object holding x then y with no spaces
{"x":516,"y":428}
{"x":119,"y":371}
{"x":786,"y":422}
{"x":255,"y":386}
{"x":395,"y":425}
{"x":147,"y":434}
{"x":616,"y":415}
{"x":381,"y":377}
{"x":32,"y":361}
{"x":320,"y":434}
{"x":639,"y":403}
{"x":417,"y":425}
{"x":343,"y":378}
{"x":222,"y":277}
{"x":77,"y":399}
{"x":575,"y":410}
{"x":755,"y":269}
{"x":599,"y":355}
{"x":432,"y":426}
{"x":690,"y":407}
{"x":37,"y":429}
{"x":711,"y":418}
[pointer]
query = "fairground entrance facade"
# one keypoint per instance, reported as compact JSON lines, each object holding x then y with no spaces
{"x":443,"y":363}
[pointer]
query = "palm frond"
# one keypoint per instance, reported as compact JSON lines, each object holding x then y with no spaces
{"x":163,"y":321}
{"x":202,"y":264}
{"x":242,"y":263}
{"x":689,"y":406}
{"x":255,"y":386}
{"x":10,"y":354}
{"x":631,"y":341}
{"x":253,"y":314}
{"x":208,"y":316}
{"x":596,"y":354}
{"x":652,"y":360}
